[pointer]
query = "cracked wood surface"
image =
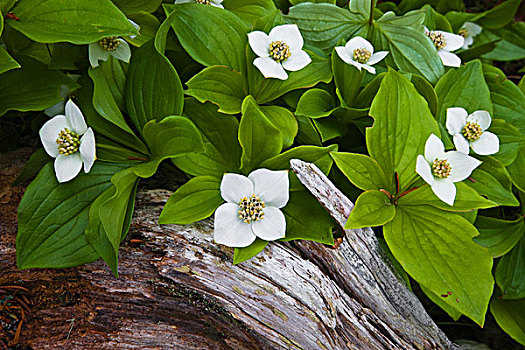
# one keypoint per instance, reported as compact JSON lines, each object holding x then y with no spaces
{"x":178,"y":290}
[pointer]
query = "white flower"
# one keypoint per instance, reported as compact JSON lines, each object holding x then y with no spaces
{"x":360,"y":53}
{"x":281,"y":49}
{"x":216,"y":3}
{"x":469,"y":31}
{"x":441,"y":169}
{"x":445,"y":43}
{"x":469,"y":130}
{"x":252,"y":207}
{"x":65,"y":93}
{"x":116,"y":47}
{"x":61,"y":137}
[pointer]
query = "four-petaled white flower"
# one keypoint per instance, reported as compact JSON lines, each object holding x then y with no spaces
{"x":69,"y":140}
{"x":252,"y":207}
{"x":360,"y":53}
{"x":445,"y":43}
{"x":216,"y":3}
{"x":441,"y":169}
{"x":281,"y":49}
{"x":470,"y":131}
{"x":114,"y":46}
{"x":469,"y":31}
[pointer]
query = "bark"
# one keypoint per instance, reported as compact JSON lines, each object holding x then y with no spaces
{"x":177,"y":289}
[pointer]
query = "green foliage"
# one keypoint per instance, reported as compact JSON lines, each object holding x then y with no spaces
{"x":372,"y":208}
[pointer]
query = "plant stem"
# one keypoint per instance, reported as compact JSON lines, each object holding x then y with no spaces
{"x":372,"y":5}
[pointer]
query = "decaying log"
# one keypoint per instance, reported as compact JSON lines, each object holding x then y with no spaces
{"x":179,"y":290}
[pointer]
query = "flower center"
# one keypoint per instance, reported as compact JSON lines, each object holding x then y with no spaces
{"x":472,"y":131}
{"x":279,"y":51}
{"x":68,"y":142}
{"x":110,"y":43}
{"x":463,"y":32}
{"x":362,"y":55}
{"x":251,"y":209}
{"x":203,"y":2}
{"x":441,"y":168}
{"x":438,"y":39}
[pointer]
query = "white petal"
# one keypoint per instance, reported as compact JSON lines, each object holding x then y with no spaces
{"x":482,"y":118}
{"x":123,"y":52}
{"x":472,"y":28}
{"x":136,"y":26}
{"x":424,"y":170}
{"x":297,"y":61}
{"x":445,"y":190}
{"x":378,"y":56}
{"x":217,"y":3}
{"x":234,"y":187}
{"x":229,"y":229}
{"x":96,"y":53}
{"x":452,"y":41}
{"x":260,"y":43}
{"x":55,"y":109}
{"x":74,"y":118}
{"x":358,"y":43}
{"x":344,"y":54}
{"x":49,"y":134}
{"x":461,"y":165}
{"x":456,"y":120}
{"x":468,"y":41}
{"x":434,"y":148}
{"x":449,"y":59}
{"x":67,"y":167}
{"x":183,"y":1}
{"x":270,"y":68}
{"x":271,"y":186}
{"x":487,"y":144}
{"x":461,"y":143}
{"x":272,"y":226}
{"x":290,"y":34}
{"x":370,"y":69}
{"x":87,"y":149}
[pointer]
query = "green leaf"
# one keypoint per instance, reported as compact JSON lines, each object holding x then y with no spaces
{"x":222,"y":152}
{"x":52,"y":217}
{"x":219,"y":85}
{"x":258,"y":137}
{"x":266,"y":90}
{"x":6,"y":61}
{"x":211,"y":36}
{"x":130,"y":7}
{"x":284,"y":121}
{"x":364,"y":172}
{"x":466,"y":199}
{"x":510,"y":273}
{"x":36,"y":162}
{"x":196,"y":200}
{"x":516,"y":170}
{"x":307,"y":133}
{"x":500,"y":15}
{"x":170,"y":138}
{"x":510,"y":140}
{"x":242,"y":254}
{"x":372,"y":208}
{"x":153,"y":87}
{"x":462,"y":87}
{"x":78,"y":22}
{"x":250,"y":10}
{"x":347,"y":79}
{"x":315,"y":103}
{"x":426,"y":90}
{"x":148,"y":24}
{"x":32,"y":87}
{"x":362,"y":7}
{"x":499,"y":236}
{"x":492,"y":181}
{"x":307,"y":219}
{"x":109,"y":80}
{"x":401,"y":128}
{"x":436,"y":248}
{"x":323,"y":25}
{"x":510,"y":317}
{"x":329,"y":128}
{"x":434,"y":20}
{"x":438,"y":300}
{"x":409,"y":48}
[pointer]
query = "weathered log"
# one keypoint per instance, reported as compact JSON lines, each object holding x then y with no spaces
{"x":179,"y":290}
